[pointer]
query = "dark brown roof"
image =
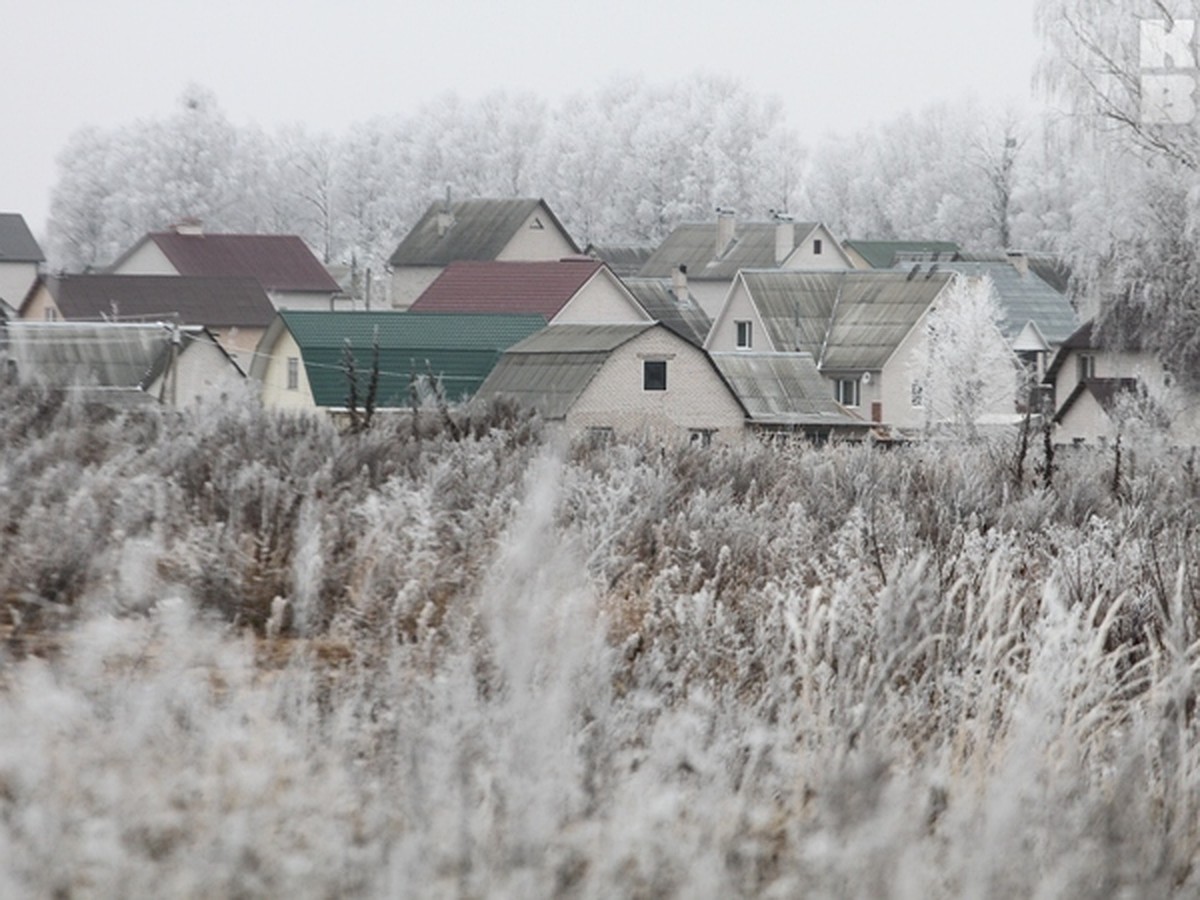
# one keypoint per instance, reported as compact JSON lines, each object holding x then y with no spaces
{"x":537,"y":288}
{"x":479,"y":230}
{"x":280,"y":262}
{"x":16,"y":241}
{"x":216,"y":302}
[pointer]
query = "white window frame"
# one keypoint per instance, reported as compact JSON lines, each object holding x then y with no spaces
{"x":744,"y":333}
{"x":848,"y":386}
{"x":293,"y":373}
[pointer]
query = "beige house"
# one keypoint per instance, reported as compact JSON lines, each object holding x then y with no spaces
{"x":282,"y":264}
{"x":482,"y":230}
{"x":20,"y":257}
{"x":706,"y":256}
{"x":1093,"y":388}
{"x":620,"y":380}
{"x":863,"y":328}
{"x":236,"y":310}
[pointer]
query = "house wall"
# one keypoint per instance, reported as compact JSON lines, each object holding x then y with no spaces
{"x":709,"y":294}
{"x":147,"y":259}
{"x":531,"y":243}
{"x":830,"y":257}
{"x":275,"y":393}
{"x":1109,"y":364}
{"x":240,"y":343}
{"x":695,"y":398}
{"x":320,"y":302}
{"x":1085,"y":421}
{"x":202,"y":374}
{"x":602,"y":300}
{"x":409,"y":282}
{"x":16,"y":278}
{"x":723,"y":335}
{"x":41,"y":300}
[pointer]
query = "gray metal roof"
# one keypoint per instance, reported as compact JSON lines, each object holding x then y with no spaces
{"x":479,"y":230}
{"x":695,"y":246}
{"x":548,"y":371}
{"x":657,"y":297}
{"x":852,"y":319}
{"x":782,"y":389}
{"x":17,"y":243}
{"x":99,"y":354}
{"x":1023,"y":299}
{"x":624,"y":259}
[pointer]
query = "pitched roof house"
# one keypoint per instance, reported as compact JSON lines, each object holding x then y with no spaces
{"x":634,"y":379}
{"x":236,"y":310}
{"x":886,"y":254}
{"x":301,"y":360}
{"x":860,"y":326}
{"x":480,"y":230}
{"x":282,"y":264}
{"x":1089,"y":382}
{"x":710,"y":254}
{"x":20,"y":257}
{"x":671,"y":303}
{"x":125,"y":362}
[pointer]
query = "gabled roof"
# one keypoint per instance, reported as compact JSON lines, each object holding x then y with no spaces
{"x":550,"y":370}
{"x":885,"y":254}
{"x":657,"y":297}
{"x":215,"y":302}
{"x":279,"y":262}
{"x":783,"y":389}
{"x":1048,"y":267}
{"x":1023,"y":298}
{"x":852,"y":319}
{"x":1082,"y":338}
{"x":478,"y":230}
{"x":458,"y":350}
{"x":17,"y":243}
{"x":1107,"y":393}
{"x":695,"y":245}
{"x":532,"y":288}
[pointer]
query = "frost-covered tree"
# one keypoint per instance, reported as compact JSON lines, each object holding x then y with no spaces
{"x":964,"y":369}
{"x":1134,"y":242}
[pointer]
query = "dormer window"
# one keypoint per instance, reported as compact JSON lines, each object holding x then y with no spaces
{"x":1087,"y":366}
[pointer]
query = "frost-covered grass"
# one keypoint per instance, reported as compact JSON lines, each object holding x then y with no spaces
{"x":248,"y":656}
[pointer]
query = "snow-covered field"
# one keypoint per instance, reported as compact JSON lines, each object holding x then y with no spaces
{"x":246,"y":656}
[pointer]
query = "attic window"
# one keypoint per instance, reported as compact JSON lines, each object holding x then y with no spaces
{"x":654,"y":375}
{"x":293,"y":373}
{"x":846,"y":391}
{"x":1087,"y":366}
{"x":817,"y":247}
{"x":536,"y":225}
{"x":745,"y":335}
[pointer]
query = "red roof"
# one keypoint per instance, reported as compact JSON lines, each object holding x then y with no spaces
{"x":538,"y":288}
{"x":280,"y":262}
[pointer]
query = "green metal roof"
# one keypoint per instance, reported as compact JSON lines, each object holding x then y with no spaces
{"x":885,"y":254}
{"x":458,"y":350}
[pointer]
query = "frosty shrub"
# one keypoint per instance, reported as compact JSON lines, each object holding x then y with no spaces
{"x":248,"y":655}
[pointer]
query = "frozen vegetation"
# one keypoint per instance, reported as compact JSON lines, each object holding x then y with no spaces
{"x":245,"y":655}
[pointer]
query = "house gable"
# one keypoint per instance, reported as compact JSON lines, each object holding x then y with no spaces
{"x":740,"y":307}
{"x":603,"y":298}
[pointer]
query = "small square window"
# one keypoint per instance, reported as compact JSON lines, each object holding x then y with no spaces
{"x":654,"y":375}
{"x":293,"y":373}
{"x":817,"y":247}
{"x":745,"y":335}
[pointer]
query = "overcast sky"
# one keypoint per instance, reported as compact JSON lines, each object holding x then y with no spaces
{"x":835,"y":65}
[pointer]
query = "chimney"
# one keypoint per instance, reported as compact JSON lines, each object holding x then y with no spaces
{"x":679,"y":283}
{"x":726,"y":219}
{"x":785,"y":236}
{"x":445,"y":219}
{"x":189,"y":226}
{"x":1019,"y":261}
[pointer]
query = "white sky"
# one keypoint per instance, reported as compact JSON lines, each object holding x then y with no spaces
{"x":836,"y":64}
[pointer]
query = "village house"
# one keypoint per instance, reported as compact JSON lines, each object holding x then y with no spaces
{"x":20,"y":259}
{"x":887,"y":254}
{"x":861,"y":327}
{"x":612,"y":380}
{"x":301,"y":362}
{"x":121,"y":363}
{"x":282,"y":264}
{"x":1092,"y":387}
{"x":480,"y":230}
{"x":708,"y":255}
{"x":236,"y":310}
